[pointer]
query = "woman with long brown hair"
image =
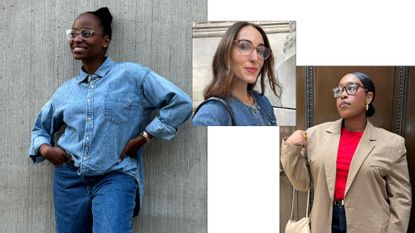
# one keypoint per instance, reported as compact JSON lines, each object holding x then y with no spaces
{"x":243,"y":56}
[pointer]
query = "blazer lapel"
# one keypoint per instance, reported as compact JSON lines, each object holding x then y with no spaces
{"x":331,"y":146}
{"x":363,"y":149}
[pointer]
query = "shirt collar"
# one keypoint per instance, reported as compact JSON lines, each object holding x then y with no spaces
{"x":100,"y":72}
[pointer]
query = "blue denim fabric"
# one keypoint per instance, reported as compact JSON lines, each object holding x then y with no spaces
{"x":103,"y":111}
{"x":93,"y":203}
{"x":339,"y":224}
{"x":214,"y":114}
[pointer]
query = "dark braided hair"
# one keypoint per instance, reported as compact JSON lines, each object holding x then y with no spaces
{"x":104,"y":15}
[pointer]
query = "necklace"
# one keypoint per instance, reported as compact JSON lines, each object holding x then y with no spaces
{"x":244,"y":103}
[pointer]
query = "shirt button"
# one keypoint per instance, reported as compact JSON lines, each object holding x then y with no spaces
{"x":87,"y":138}
{"x":85,"y":158}
{"x":89,"y":119}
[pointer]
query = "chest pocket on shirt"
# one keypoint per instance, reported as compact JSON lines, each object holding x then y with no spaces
{"x":118,"y":107}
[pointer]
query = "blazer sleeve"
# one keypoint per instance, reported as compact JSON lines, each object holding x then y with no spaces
{"x":399,"y":190}
{"x":295,"y":166}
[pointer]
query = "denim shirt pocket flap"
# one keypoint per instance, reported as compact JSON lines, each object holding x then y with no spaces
{"x":118,"y":107}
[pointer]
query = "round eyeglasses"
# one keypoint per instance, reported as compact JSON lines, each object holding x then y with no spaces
{"x":246,"y":48}
{"x":84,"y":33}
{"x":350,"y":88}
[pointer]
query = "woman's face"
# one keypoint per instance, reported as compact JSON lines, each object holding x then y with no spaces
{"x":93,"y":47}
{"x":247,"y":67}
{"x":352,"y":106}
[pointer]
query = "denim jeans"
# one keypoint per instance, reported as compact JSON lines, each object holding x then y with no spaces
{"x":85,"y":204}
{"x":339,"y":224}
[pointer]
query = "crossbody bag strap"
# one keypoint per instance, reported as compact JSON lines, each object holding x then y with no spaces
{"x":293,"y":201}
{"x":224,"y":103}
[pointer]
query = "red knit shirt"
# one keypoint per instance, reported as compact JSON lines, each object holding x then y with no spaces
{"x":347,"y":146}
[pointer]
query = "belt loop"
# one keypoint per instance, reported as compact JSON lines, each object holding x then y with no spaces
{"x":338,"y":203}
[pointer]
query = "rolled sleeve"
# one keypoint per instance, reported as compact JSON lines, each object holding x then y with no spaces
{"x":43,"y":130}
{"x":174,"y":104}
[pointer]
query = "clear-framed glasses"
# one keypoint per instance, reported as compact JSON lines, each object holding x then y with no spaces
{"x":84,"y":33}
{"x":350,"y":88}
{"x":246,"y":48}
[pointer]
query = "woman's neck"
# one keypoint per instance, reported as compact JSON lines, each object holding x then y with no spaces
{"x":91,"y":66}
{"x":357,"y":124}
{"x":240,"y":91}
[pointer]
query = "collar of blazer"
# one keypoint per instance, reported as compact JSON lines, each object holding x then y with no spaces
{"x":363,"y":149}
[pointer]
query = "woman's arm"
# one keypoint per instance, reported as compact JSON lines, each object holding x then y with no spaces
{"x":46,"y":125}
{"x":399,"y":190}
{"x":293,"y":162}
{"x":174,"y":104}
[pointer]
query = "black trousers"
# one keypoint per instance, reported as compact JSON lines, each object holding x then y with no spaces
{"x":339,"y":224}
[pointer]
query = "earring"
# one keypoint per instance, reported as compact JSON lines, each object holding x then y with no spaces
{"x":367,"y":107}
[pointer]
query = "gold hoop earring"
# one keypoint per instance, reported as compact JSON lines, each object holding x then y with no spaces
{"x":367,"y":107}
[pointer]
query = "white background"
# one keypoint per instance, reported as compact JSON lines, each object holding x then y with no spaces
{"x":243,"y":178}
{"x":336,"y":32}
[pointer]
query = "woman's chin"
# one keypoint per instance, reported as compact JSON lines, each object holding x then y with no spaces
{"x":77,"y":57}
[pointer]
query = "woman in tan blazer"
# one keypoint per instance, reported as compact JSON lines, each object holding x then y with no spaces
{"x":358,"y":172}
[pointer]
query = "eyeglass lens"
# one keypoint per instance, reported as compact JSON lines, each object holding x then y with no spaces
{"x":246,"y":48}
{"x":350,"y":89}
{"x":84,"y":33}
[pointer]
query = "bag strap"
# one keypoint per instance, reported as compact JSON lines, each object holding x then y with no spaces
{"x":293,"y":201}
{"x":221,"y":101}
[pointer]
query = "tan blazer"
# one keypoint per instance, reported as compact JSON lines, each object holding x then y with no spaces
{"x":378,"y":192}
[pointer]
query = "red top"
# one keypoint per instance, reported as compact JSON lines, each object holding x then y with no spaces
{"x":347,"y":146}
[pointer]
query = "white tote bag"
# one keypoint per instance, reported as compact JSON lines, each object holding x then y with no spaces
{"x":302,"y":225}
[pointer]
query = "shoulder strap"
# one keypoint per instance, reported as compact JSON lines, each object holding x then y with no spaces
{"x":293,"y":200}
{"x":221,"y":101}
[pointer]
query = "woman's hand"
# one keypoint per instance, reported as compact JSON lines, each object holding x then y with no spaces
{"x":132,"y":146}
{"x":298,"y":138}
{"x":55,"y":155}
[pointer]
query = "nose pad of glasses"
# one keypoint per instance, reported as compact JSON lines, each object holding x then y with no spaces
{"x":255,"y":56}
{"x":78,"y":37}
{"x":344,"y":94}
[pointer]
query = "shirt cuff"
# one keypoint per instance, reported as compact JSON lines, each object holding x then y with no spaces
{"x":160,"y":130}
{"x":34,"y":149}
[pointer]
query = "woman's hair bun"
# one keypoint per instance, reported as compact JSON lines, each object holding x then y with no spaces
{"x":105,"y":16}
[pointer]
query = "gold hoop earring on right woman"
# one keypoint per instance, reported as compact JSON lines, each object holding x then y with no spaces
{"x":367,"y":107}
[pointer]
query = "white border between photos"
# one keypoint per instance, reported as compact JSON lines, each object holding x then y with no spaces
{"x":336,"y":33}
{"x":243,"y":179}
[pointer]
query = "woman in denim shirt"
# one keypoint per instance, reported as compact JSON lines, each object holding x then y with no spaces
{"x":105,"y":112}
{"x":242,"y":57}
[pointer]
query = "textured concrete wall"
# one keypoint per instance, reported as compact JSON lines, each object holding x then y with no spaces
{"x":35,"y":59}
{"x":206,"y":37}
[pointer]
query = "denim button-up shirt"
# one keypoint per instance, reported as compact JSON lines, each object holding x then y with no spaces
{"x":213,"y":113}
{"x":103,"y":111}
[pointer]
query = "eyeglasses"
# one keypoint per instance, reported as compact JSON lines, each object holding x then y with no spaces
{"x":246,"y":48}
{"x":350,"y":88}
{"x":84,"y":33}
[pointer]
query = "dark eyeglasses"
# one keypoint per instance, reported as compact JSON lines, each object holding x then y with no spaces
{"x":350,"y":88}
{"x":246,"y":48}
{"x":84,"y":33}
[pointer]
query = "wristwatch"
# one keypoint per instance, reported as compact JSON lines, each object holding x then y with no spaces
{"x":146,"y":136}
